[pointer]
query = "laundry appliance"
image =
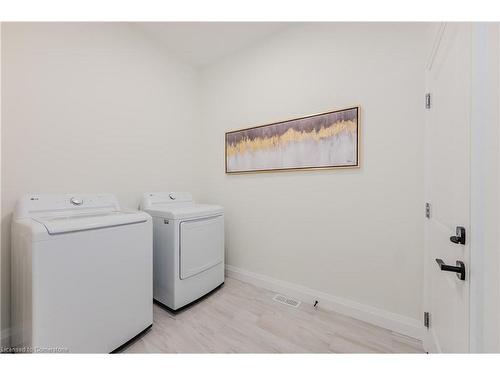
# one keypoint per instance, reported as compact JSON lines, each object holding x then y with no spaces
{"x":81,"y":273}
{"x":188,"y":242}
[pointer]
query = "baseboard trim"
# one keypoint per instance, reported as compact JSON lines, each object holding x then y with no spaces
{"x":382,"y":318}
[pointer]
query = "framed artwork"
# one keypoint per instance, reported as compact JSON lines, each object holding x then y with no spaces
{"x":322,"y":141}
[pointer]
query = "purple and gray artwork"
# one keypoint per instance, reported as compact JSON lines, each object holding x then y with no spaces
{"x":321,"y":141}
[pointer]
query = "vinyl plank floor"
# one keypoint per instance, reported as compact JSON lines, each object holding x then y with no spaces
{"x":242,"y":318}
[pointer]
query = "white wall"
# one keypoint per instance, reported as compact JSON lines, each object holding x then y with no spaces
{"x":355,"y":234}
{"x":91,"y":108}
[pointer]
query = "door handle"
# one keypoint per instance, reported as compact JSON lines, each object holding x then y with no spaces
{"x":460,"y":237}
{"x":459,"y":269}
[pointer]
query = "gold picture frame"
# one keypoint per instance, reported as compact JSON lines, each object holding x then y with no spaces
{"x":307,"y":137}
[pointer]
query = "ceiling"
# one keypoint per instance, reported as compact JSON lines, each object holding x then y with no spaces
{"x":202,"y":43}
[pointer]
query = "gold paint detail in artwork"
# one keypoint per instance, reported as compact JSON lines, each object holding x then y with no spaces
{"x":291,"y":135}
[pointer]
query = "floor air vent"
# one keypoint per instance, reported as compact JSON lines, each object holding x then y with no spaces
{"x":286,"y":300}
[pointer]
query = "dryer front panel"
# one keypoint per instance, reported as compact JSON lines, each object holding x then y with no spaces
{"x":201,"y":245}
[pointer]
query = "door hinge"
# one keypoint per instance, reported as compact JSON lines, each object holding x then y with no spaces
{"x":427,"y":319}
{"x":428,"y":210}
{"x":428,"y":100}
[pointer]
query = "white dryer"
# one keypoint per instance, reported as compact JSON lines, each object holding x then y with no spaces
{"x":81,"y":273}
{"x":188,"y":247}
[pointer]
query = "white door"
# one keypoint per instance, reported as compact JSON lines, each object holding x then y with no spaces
{"x":448,"y":190}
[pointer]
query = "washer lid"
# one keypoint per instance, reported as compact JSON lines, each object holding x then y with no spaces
{"x":80,"y":222}
{"x":186,"y":211}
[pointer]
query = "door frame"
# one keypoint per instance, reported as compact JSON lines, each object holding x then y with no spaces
{"x":485,"y":175}
{"x":4,"y":331}
{"x":429,"y":338}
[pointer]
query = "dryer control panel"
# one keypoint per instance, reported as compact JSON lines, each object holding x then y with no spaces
{"x":149,"y":200}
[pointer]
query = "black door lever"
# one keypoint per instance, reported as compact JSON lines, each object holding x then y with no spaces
{"x":460,"y":237}
{"x":459,"y":268}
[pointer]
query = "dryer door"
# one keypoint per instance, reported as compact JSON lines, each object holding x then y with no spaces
{"x":201,"y":245}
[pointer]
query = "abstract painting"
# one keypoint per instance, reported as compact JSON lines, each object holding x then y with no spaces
{"x":326,"y":140}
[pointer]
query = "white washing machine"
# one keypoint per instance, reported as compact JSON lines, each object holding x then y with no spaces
{"x":188,"y":247}
{"x":81,"y":273}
